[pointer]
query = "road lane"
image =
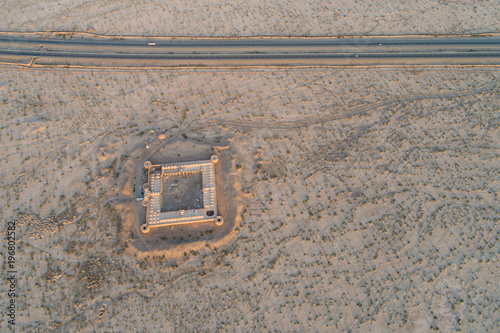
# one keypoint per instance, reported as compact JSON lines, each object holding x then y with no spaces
{"x":258,"y":42}
{"x":167,"y":56}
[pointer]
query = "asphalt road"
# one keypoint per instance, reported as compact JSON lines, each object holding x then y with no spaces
{"x":250,"y":51}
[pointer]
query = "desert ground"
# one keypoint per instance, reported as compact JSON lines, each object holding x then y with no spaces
{"x":234,"y":18}
{"x":360,"y":199}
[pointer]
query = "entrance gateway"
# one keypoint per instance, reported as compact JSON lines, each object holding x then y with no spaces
{"x":180,"y":193}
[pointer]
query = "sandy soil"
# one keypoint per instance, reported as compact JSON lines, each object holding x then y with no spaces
{"x":252,"y":18}
{"x":368,"y":198}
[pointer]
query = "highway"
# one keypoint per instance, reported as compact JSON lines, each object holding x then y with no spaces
{"x":157,"y":51}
